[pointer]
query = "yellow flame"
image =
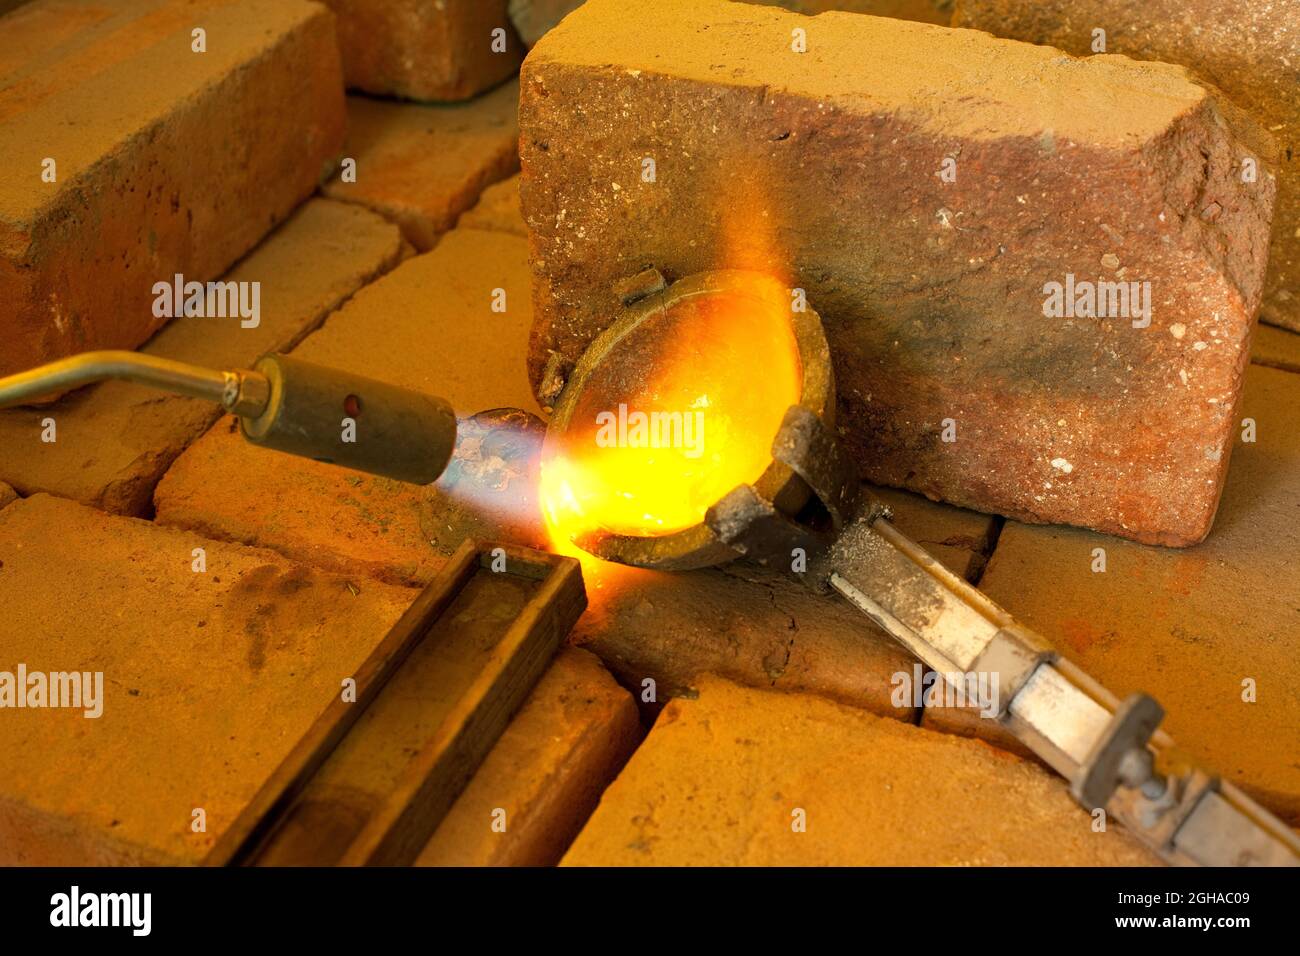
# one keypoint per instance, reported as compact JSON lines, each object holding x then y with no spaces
{"x":710,"y":382}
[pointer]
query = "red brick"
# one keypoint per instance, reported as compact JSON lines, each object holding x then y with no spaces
{"x":422,"y":166}
{"x":1189,"y":627}
{"x":1248,"y":50}
{"x":719,"y":779}
{"x":115,"y":440}
{"x":547,"y":771}
{"x":824,"y":165}
{"x":168,"y":161}
{"x":209,"y":679}
{"x":424,"y":51}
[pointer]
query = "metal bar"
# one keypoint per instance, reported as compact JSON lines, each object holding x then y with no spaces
{"x":1080,"y":729}
{"x":238,"y":391}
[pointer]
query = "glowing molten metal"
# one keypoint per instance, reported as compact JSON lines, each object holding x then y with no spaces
{"x":680,"y":410}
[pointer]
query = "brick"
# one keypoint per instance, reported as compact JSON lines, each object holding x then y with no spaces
{"x":422,"y":166}
{"x":497,"y":210}
{"x":532,"y":18}
{"x":425,"y":51}
{"x":719,"y":778}
{"x":825,"y":164}
{"x":7,"y":495}
{"x":760,"y":627}
{"x":1276,"y":347}
{"x":209,"y":679}
{"x":1247,"y":50}
{"x":547,"y":771}
{"x":115,"y":440}
{"x":167,"y":161}
{"x":421,"y":326}
{"x":1190,"y":627}
{"x":924,"y":11}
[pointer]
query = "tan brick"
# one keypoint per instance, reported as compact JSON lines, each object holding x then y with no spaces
{"x":115,"y":440}
{"x":425,"y":51}
{"x":1190,"y":627}
{"x":825,"y":164}
{"x":422,"y":166}
{"x":7,"y":495}
{"x":532,"y":18}
{"x":924,"y":11}
{"x":209,"y":679}
{"x":547,"y":771}
{"x":719,"y":779}
{"x":1276,"y":347}
{"x":425,"y":326}
{"x":497,"y":210}
{"x":1246,"y":49}
{"x":167,"y":161}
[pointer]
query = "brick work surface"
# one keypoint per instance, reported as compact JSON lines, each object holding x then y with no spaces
{"x":497,"y":210}
{"x":425,"y":51}
{"x":1247,"y":49}
{"x":827,"y":164}
{"x":424,"y":165}
{"x":197,"y":158}
{"x":1190,"y":627}
{"x":208,"y":679}
{"x":115,"y":440}
{"x":546,"y":772}
{"x":720,"y":779}
{"x":1276,"y":347}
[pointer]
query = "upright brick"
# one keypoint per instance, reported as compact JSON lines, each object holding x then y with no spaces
{"x":1248,"y":50}
{"x":421,"y":50}
{"x":546,"y":772}
{"x":742,"y":777}
{"x":424,"y":165}
{"x":209,"y":679}
{"x":1212,"y":633}
{"x":830,"y":167}
{"x":115,"y":440}
{"x":163,"y":160}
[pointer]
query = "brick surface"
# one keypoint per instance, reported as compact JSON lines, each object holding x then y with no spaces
{"x":167,"y":161}
{"x":209,"y":679}
{"x":425,"y":51}
{"x":115,"y":440}
{"x":425,"y":326}
{"x":532,"y":18}
{"x":497,"y":210}
{"x":719,"y":778}
{"x":1276,"y":347}
{"x":422,"y":166}
{"x":7,"y":495}
{"x":547,"y":771}
{"x":825,"y":164}
{"x":1246,"y":49}
{"x":1190,"y":627}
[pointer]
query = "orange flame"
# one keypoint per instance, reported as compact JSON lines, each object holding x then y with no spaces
{"x":729,"y":365}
